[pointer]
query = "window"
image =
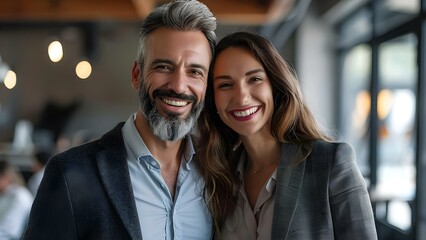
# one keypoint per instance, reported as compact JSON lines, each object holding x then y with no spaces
{"x":396,"y":106}
{"x":356,"y":102}
{"x":380,"y":46}
{"x":357,"y":28}
{"x":391,"y":13}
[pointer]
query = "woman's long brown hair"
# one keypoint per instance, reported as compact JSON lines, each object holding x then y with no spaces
{"x":292,"y":122}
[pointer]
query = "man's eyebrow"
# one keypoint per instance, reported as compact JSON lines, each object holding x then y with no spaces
{"x":158,"y":61}
{"x":194,"y":65}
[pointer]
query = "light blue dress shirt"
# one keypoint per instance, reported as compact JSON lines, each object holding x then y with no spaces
{"x":161,"y":217}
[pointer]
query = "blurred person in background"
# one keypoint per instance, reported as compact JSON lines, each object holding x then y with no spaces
{"x":15,"y":202}
{"x":140,"y":179}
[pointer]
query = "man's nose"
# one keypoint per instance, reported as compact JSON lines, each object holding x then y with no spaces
{"x":178,"y":82}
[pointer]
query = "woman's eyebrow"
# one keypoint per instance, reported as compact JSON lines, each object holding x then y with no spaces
{"x":254,"y":71}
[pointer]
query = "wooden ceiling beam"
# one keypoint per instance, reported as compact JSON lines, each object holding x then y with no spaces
{"x":226,"y":11}
{"x":275,"y":11}
{"x":234,"y":11}
{"x":144,"y":7}
{"x":28,"y":10}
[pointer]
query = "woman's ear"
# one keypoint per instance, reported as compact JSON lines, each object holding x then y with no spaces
{"x":136,"y":75}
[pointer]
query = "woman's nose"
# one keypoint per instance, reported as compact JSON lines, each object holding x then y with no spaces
{"x":241,"y":94}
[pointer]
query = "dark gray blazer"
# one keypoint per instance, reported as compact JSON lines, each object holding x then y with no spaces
{"x":86,"y":193}
{"x":322,"y":197}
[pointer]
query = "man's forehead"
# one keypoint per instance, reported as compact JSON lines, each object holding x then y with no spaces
{"x":194,"y":40}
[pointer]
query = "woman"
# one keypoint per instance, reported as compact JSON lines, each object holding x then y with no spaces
{"x":277,"y":176}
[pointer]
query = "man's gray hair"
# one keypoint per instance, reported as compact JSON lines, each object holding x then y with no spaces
{"x":182,"y":15}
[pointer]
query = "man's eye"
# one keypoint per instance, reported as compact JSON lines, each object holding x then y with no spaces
{"x":197,"y":72}
{"x":163,"y":67}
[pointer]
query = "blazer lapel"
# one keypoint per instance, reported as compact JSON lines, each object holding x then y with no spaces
{"x":289,"y":181}
{"x":115,"y":176}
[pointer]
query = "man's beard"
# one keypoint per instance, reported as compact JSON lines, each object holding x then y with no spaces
{"x":171,"y":128}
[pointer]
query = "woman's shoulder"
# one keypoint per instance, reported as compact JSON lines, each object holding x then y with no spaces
{"x":331,"y":146}
{"x":332,"y":154}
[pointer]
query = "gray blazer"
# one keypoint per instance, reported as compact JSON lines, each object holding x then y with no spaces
{"x":322,"y":197}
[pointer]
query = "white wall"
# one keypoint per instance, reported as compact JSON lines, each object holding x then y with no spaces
{"x":316,"y":68}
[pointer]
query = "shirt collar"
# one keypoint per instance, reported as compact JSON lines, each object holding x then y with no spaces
{"x":133,"y":140}
{"x":270,"y":185}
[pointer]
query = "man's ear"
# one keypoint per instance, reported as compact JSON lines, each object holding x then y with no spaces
{"x":136,"y":75}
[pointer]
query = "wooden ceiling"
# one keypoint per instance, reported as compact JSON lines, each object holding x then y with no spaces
{"x":226,"y":11}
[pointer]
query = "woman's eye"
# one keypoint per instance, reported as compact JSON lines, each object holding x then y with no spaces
{"x":224,"y":85}
{"x":255,"y":79}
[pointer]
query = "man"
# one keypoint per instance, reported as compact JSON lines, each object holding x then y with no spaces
{"x":140,"y":180}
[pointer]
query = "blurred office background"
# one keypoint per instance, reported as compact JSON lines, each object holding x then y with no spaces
{"x":65,"y":70}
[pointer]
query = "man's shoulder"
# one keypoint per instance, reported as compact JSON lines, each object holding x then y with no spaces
{"x":110,"y":140}
{"x":78,"y":152}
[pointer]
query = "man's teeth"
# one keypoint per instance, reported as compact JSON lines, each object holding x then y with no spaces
{"x":175,"y":103}
{"x":245,"y":113}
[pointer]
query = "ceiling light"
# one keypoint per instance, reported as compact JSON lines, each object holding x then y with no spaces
{"x":83,"y":69}
{"x":10,"y":79}
{"x":55,"y":51}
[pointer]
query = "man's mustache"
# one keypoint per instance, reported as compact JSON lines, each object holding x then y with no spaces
{"x":173,"y":94}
